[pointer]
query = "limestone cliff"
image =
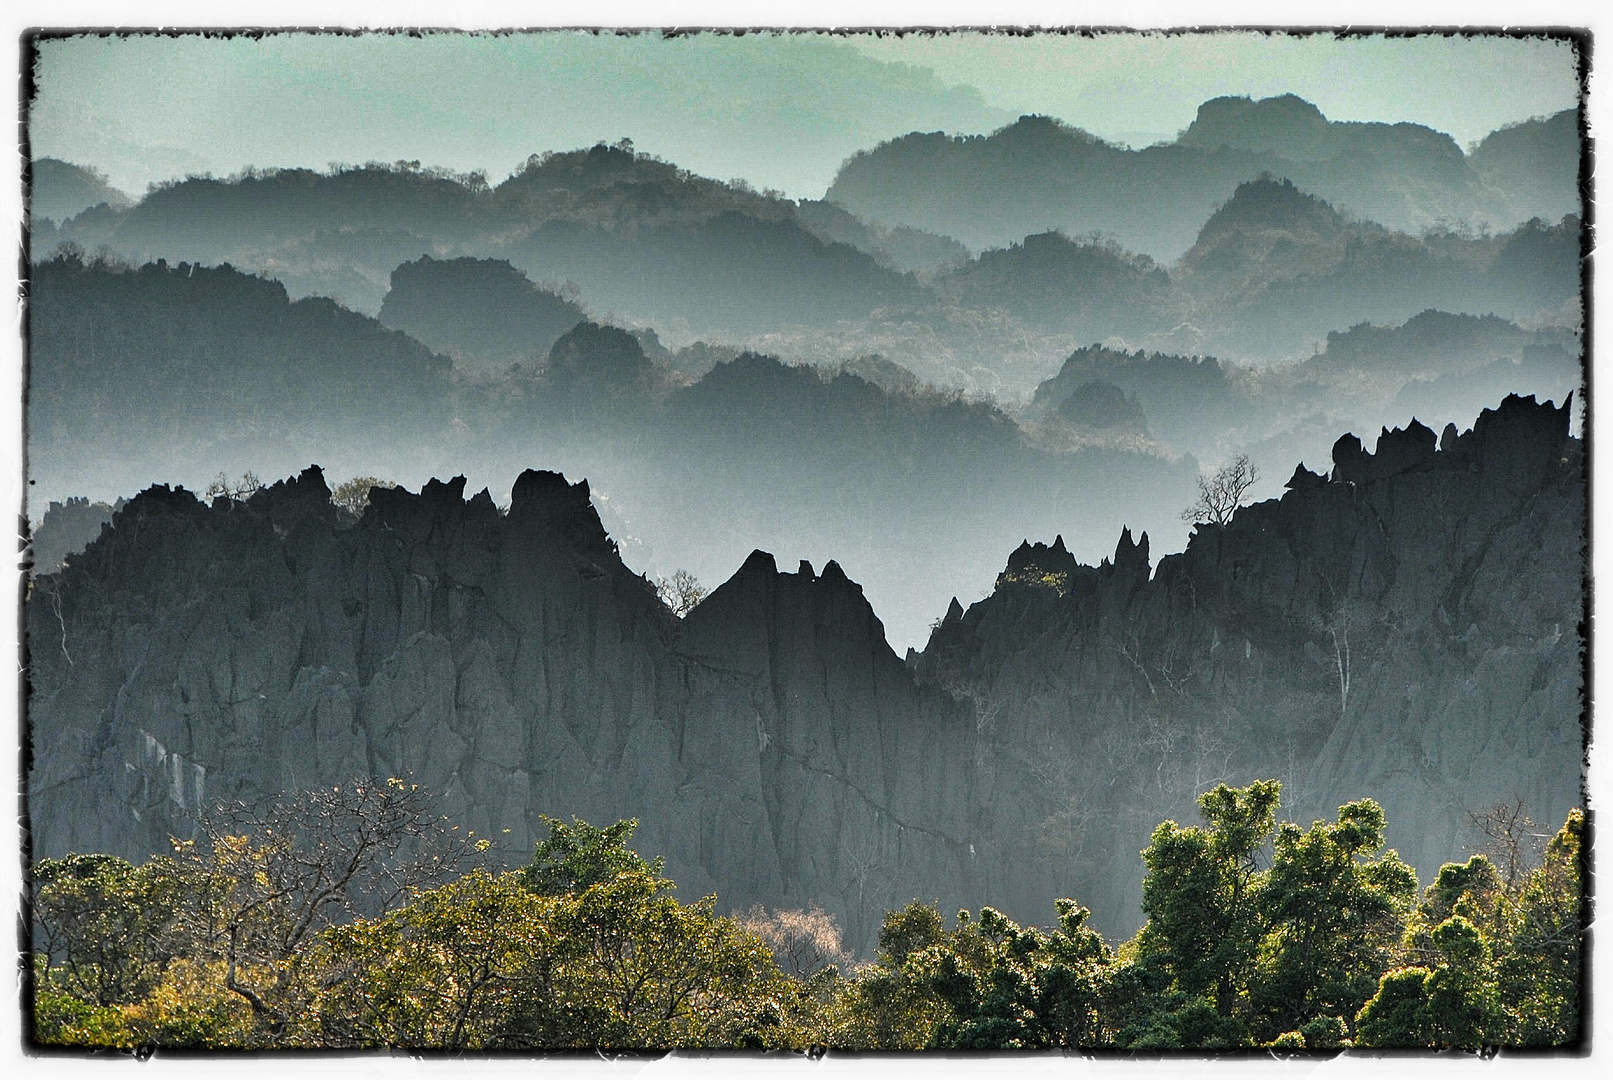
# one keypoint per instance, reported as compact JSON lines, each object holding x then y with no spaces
{"x":774,"y":747}
{"x":1407,"y":629}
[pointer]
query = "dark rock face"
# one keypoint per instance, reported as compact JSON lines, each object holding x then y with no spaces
{"x":1408,"y":630}
{"x":774,"y":747}
{"x":65,"y":529}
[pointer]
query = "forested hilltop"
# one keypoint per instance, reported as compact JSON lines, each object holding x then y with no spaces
{"x":988,"y":190}
{"x":1282,"y":226}
{"x":353,"y":918}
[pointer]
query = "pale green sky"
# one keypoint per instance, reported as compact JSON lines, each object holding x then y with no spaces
{"x":1118,"y":83}
{"x":780,"y":111}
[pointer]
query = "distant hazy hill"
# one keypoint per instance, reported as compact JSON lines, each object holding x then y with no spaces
{"x":1438,"y":366}
{"x":1526,"y":167}
{"x":1037,"y":174}
{"x":59,"y":190}
{"x":642,"y":237}
{"x":1269,"y":266}
{"x":730,"y":273}
{"x":1178,"y":394}
{"x":484,"y":313}
{"x":1275,"y":263}
{"x":183,"y":366}
{"x":1055,"y":281}
{"x":1430,"y":342}
{"x":1291,"y":128}
{"x":1273,"y":270}
{"x":900,"y":248}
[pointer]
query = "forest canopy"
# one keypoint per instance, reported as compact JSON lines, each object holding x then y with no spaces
{"x":358,"y":918}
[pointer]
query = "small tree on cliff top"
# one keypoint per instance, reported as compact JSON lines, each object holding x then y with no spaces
{"x":1221,"y":494}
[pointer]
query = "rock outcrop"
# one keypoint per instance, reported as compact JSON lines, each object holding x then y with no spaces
{"x":1409,"y":629}
{"x":774,"y":747}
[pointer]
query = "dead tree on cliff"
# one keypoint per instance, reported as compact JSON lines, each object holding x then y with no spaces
{"x":1221,"y":494}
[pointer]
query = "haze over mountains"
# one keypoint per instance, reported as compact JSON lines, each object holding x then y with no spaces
{"x":907,"y":472}
{"x":827,"y":464}
{"x":1038,"y":174}
{"x":968,"y":395}
{"x":1257,"y":269}
{"x":1289,"y":319}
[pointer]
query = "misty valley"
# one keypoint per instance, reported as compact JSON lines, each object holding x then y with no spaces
{"x":615,"y":607}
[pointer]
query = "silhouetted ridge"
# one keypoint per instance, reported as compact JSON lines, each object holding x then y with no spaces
{"x":1032,"y":562}
{"x":510,"y":662}
{"x":516,"y":664}
{"x":483,"y":312}
{"x":59,"y":190}
{"x":1407,"y":627}
{"x":1271,"y":203}
{"x":1130,"y":562}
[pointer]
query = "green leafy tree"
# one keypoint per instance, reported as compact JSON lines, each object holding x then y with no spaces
{"x":1460,"y":994}
{"x":1018,"y":987}
{"x":578,"y":855}
{"x":989,"y":983}
{"x":107,"y":929}
{"x":1396,"y":1014}
{"x":1497,"y":955}
{"x":1334,"y":906}
{"x":892,"y":1005}
{"x":1202,"y":894}
{"x":1539,"y":965}
{"x":442,"y":972}
{"x":596,"y":954}
{"x":1453,"y":1003}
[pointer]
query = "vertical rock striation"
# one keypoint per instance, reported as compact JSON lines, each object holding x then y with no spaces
{"x":1408,"y":629}
{"x":773,"y":745}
